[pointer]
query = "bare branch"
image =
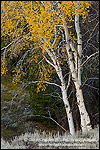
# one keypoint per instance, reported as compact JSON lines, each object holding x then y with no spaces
{"x":89,"y":79}
{"x":91,"y":34}
{"x":28,"y":83}
{"x":92,"y":87}
{"x":50,"y":119}
{"x":48,"y":61}
{"x":89,"y":58}
{"x":44,"y":82}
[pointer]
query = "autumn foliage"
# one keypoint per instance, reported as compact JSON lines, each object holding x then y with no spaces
{"x":33,"y":26}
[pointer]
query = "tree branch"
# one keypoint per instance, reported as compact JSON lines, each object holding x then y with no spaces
{"x":89,"y":58}
{"x":31,"y":82}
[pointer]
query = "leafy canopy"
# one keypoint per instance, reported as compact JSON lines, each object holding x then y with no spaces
{"x":33,"y":26}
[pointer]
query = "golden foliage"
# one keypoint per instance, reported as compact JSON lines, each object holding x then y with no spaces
{"x":39,"y":18}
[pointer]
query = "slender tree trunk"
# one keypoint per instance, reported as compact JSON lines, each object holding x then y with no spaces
{"x":79,"y":97}
{"x":75,"y":109}
{"x":85,"y":120}
{"x":63,"y":90}
{"x":81,"y":102}
{"x":65,"y":100}
{"x":79,"y":50}
{"x":68,"y":111}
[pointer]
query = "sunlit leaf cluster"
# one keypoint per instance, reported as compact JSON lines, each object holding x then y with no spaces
{"x":4,"y":67}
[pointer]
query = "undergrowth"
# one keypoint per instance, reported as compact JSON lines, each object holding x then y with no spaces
{"x":51,"y":140}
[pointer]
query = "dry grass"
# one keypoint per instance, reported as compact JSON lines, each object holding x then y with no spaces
{"x":43,"y":140}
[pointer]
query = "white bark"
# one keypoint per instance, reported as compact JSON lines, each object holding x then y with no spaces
{"x":65,"y":100}
{"x":79,"y":46}
{"x":80,"y":102}
{"x":79,"y":50}
{"x":57,"y":67}
{"x":76,"y":77}
{"x":68,"y":111}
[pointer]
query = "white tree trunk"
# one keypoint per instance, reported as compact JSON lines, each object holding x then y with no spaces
{"x":68,"y":111}
{"x":85,"y":120}
{"x":65,"y":100}
{"x":57,"y":67}
{"x":80,"y":103}
{"x":76,"y":77}
{"x":79,"y":97}
{"x":79,"y":50}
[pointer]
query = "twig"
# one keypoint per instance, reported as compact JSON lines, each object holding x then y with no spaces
{"x":89,"y":58}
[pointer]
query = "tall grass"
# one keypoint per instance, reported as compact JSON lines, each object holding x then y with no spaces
{"x":50,"y":140}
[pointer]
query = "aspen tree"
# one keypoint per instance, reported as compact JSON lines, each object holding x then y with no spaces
{"x":39,"y":25}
